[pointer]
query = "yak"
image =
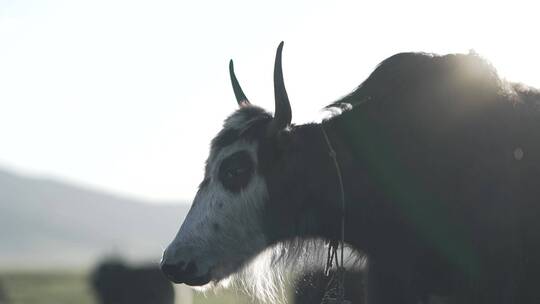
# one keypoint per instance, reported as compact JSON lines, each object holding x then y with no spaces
{"x":440,"y":165}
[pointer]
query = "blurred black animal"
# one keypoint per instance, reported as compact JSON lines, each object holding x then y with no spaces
{"x":311,"y":286}
{"x":440,"y":159}
{"x":3,"y":295}
{"x":116,"y":283}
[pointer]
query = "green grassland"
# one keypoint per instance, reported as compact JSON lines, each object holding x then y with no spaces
{"x":63,"y":287}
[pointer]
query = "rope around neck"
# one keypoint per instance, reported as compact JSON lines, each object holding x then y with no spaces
{"x":335,"y":291}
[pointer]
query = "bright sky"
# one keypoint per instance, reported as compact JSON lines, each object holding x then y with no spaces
{"x":126,"y":95}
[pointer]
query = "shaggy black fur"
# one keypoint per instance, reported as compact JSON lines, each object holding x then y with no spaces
{"x":441,"y":164}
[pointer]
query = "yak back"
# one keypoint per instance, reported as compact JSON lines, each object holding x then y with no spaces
{"x":454,"y":153}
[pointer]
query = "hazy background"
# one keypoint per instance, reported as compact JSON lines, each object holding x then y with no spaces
{"x":107,"y":107}
{"x":125,"y":95}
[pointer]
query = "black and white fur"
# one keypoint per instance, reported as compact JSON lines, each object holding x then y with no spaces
{"x":441,"y":167}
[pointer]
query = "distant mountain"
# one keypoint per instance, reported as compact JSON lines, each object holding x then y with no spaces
{"x":45,"y":223}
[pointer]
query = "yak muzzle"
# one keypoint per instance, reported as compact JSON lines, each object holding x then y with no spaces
{"x":185,"y":273}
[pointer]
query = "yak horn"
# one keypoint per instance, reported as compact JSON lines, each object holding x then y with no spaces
{"x":282,"y":114}
{"x":240,"y":96}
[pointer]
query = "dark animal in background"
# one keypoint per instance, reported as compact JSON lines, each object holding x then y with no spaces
{"x":309,"y":288}
{"x":116,"y":283}
{"x":440,"y":160}
{"x":3,"y":295}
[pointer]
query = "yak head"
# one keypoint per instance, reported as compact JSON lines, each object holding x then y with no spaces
{"x":225,"y":227}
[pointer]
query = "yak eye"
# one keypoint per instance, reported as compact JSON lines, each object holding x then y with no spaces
{"x":235,"y":171}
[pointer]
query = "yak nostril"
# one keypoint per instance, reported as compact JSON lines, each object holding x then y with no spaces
{"x":187,"y":274}
{"x":191,"y":268}
{"x":172,"y":270}
{"x":180,"y":272}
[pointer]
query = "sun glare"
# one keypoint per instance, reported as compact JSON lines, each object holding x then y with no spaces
{"x":99,"y":88}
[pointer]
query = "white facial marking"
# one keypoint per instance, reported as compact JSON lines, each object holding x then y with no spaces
{"x":222,"y":231}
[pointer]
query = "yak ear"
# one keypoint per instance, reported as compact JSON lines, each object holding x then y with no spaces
{"x":241,"y":98}
{"x":282,"y":114}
